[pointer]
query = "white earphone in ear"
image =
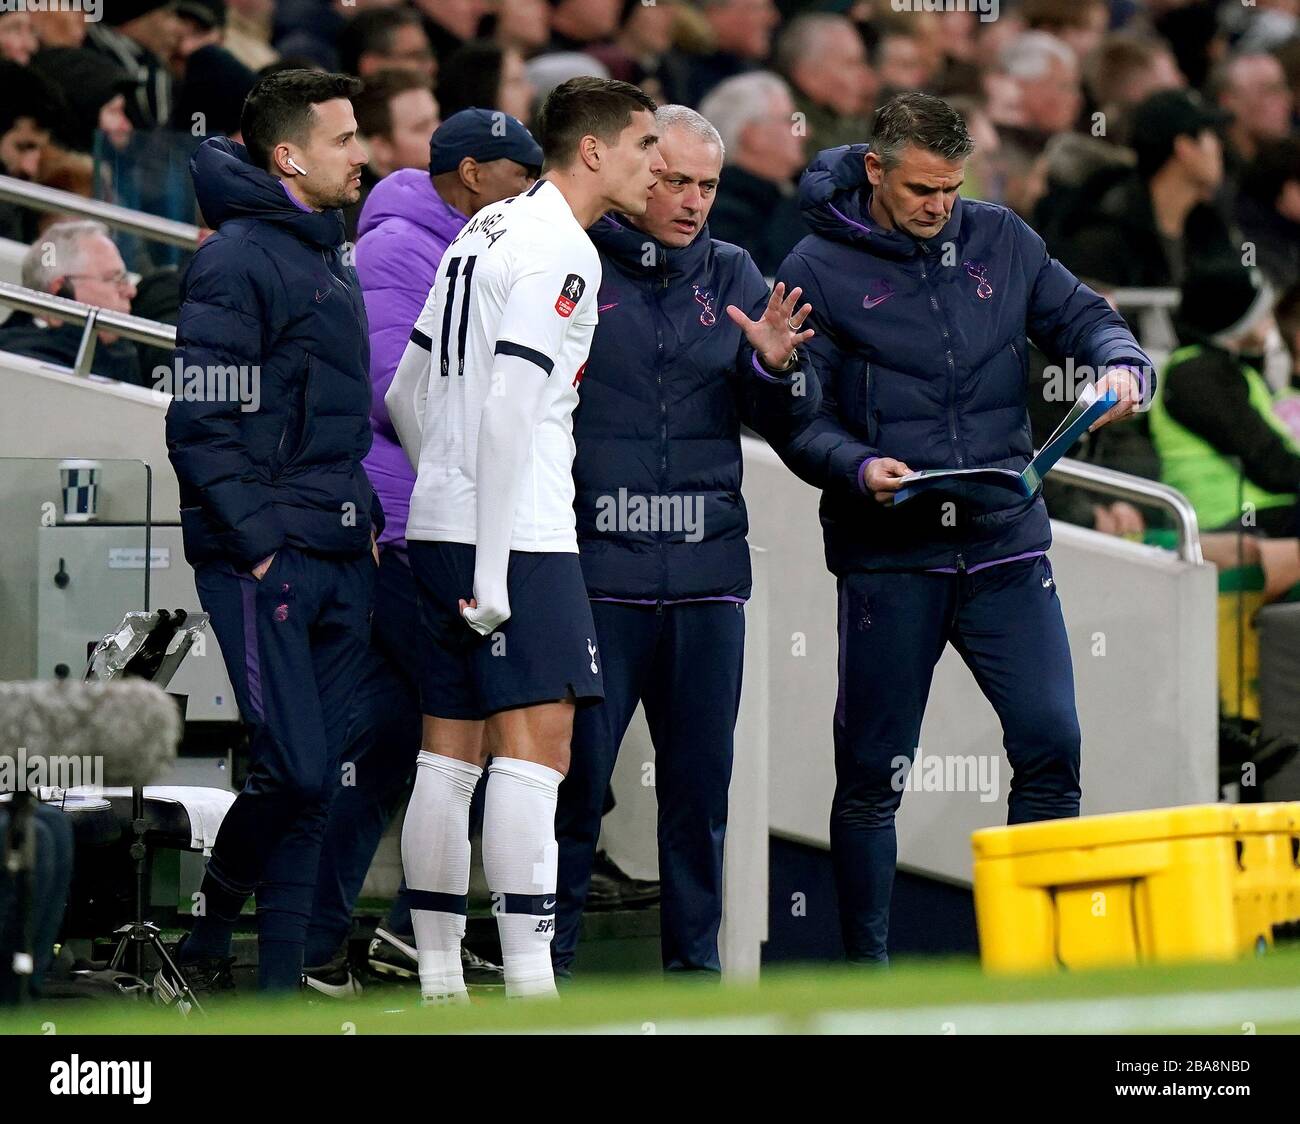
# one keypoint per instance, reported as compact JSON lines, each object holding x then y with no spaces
{"x":297,"y":167}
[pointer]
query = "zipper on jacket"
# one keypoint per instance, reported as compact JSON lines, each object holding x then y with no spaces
{"x":284,"y":433}
{"x":353,"y":291}
{"x":866,"y":402}
{"x":325,"y":255}
{"x":952,"y":372}
{"x":658,"y":288}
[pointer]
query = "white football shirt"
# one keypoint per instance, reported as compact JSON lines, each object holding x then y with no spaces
{"x":520,"y":279}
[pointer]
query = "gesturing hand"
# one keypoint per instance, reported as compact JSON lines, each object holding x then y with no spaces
{"x":779,"y":331}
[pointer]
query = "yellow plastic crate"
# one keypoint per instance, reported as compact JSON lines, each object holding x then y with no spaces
{"x":1263,"y":875}
{"x":1127,"y":888}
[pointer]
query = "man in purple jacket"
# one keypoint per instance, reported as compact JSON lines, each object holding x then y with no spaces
{"x":476,"y":157}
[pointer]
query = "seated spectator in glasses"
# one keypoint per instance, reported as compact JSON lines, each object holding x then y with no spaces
{"x":485,"y":75}
{"x":822,"y":57}
{"x":396,"y":115}
{"x":756,"y":204}
{"x":386,"y":39}
{"x":76,"y":260}
{"x":1268,"y":211}
{"x":95,"y":90}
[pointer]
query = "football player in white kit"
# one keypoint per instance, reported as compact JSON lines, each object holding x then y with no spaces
{"x":482,"y":402}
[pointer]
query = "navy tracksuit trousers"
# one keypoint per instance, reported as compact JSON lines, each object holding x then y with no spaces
{"x":684,"y":663}
{"x":1005,"y":621}
{"x":382,"y":752}
{"x":293,"y":645}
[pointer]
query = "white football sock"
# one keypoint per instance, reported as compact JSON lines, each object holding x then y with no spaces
{"x":519,"y":859}
{"x":435,"y":858}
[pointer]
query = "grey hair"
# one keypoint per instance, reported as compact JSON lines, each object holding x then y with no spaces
{"x":923,"y":120}
{"x":805,"y":35}
{"x":64,"y":239}
{"x":685,"y":118}
{"x":1033,"y":53}
{"x":733,"y":104}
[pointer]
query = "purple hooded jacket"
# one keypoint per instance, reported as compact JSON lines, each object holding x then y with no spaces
{"x":405,"y":226}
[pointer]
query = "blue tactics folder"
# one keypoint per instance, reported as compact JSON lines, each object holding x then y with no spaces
{"x":1089,"y":407}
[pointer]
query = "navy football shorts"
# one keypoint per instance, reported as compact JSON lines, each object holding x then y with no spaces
{"x":545,"y":652}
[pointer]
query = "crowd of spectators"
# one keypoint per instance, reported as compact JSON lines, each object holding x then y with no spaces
{"x":1168,"y":179}
{"x":1150,"y":142}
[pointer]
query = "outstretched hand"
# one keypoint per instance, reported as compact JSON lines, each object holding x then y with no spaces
{"x":780,"y":330}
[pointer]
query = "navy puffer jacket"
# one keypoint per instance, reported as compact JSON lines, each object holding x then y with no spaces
{"x":921,"y":349}
{"x":270,"y":292}
{"x":669,"y":380}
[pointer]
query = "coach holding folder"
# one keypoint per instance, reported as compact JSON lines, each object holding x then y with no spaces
{"x":922,"y":303}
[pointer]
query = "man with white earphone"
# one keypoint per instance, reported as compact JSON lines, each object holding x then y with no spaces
{"x":278,"y":515}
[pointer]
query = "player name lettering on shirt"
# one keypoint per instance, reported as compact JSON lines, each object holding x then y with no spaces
{"x":487,"y":224}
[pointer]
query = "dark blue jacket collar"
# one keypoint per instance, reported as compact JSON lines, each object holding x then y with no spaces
{"x":626,"y":246}
{"x":835,"y":197}
{"x":228,"y":187}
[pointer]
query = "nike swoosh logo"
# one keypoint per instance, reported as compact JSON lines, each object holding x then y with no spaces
{"x":871,"y":302}
{"x":321,"y":296}
{"x":606,"y":307}
{"x":334,"y":991}
{"x":548,"y":906}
